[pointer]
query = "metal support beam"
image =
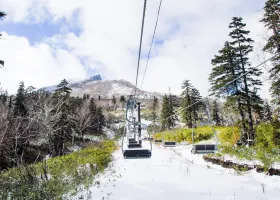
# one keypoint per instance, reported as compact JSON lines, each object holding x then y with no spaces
{"x":139,"y":118}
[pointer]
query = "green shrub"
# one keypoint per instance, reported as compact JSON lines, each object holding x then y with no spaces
{"x":180,"y":135}
{"x":228,"y":136}
{"x":276,"y":132}
{"x":265,"y":135}
{"x":66,"y":172}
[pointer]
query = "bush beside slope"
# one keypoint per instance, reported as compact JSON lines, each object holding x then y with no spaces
{"x":53,"y":178}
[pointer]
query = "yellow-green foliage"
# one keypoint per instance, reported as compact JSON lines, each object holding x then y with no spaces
{"x":264,"y":135}
{"x":66,"y":172}
{"x":180,"y":135}
{"x":266,"y":155}
{"x":228,"y":136}
{"x":264,"y":150}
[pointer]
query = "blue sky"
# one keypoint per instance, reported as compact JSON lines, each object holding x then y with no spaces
{"x":76,"y":39}
{"x":37,"y":32}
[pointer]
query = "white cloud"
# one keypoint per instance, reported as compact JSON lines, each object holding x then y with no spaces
{"x":37,"y":65}
{"x":193,"y":31}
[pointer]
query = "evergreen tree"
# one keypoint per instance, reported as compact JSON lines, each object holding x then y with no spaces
{"x":250,"y":84}
{"x":101,"y":120}
{"x":10,"y":102}
{"x":191,"y":103}
{"x":267,"y":112}
{"x":168,"y":116}
{"x":63,"y":89}
{"x":215,"y":115}
{"x":84,"y":97}
{"x":99,"y":97}
{"x":63,"y":124}
{"x":20,"y":108}
{"x":271,"y":20}
{"x":122,"y":100}
{"x":186,"y":102}
{"x":225,"y":71}
{"x":155,"y":106}
{"x":75,"y":103}
{"x":172,"y":116}
{"x":114,"y":101}
{"x":94,"y":117}
{"x":4,"y":97}
{"x":196,"y":103}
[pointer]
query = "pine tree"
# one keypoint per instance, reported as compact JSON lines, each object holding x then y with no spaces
{"x":114,"y":101}
{"x":186,"y":102}
{"x":215,"y":115}
{"x":155,"y":106}
{"x":122,"y":100}
{"x":10,"y":105}
{"x":196,"y":103}
{"x":267,"y":112}
{"x":4,"y":97}
{"x":101,"y":120}
{"x":63,"y":89}
{"x":168,"y":116}
{"x":172,"y":115}
{"x":20,"y":107}
{"x":63,"y":124}
{"x":191,"y":103}
{"x":271,"y":20}
{"x":94,"y":117}
{"x":224,"y":72}
{"x":250,"y":85}
{"x":84,"y":97}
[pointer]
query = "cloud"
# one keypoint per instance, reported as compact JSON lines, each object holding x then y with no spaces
{"x":190,"y":34}
{"x":37,"y":65}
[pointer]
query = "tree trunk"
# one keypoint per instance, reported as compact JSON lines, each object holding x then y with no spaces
{"x":248,"y":100}
{"x":239,"y":102}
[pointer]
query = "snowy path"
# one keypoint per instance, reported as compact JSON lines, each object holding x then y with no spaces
{"x":177,"y":174}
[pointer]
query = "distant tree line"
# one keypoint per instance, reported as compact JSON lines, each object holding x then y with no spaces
{"x":35,"y":123}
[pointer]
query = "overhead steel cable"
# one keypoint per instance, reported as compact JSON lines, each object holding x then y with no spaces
{"x":140,"y":46}
{"x":151,"y":43}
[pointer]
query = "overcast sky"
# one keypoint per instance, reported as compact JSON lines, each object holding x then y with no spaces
{"x":45,"y":41}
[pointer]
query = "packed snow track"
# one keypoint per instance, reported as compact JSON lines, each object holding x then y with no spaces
{"x":174,"y":173}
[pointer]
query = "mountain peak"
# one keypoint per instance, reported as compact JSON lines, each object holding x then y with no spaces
{"x":95,"y":78}
{"x":95,"y":86}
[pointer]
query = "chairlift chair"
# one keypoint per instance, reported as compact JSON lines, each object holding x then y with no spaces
{"x":132,"y":142}
{"x":205,"y":148}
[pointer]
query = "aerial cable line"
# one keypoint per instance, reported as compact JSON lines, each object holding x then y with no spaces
{"x":151,"y":43}
{"x":180,"y":110}
{"x":140,"y":46}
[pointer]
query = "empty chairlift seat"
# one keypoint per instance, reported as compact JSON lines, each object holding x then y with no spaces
{"x":137,"y":153}
{"x":169,"y":144}
{"x":158,"y":141}
{"x":204,"y":148}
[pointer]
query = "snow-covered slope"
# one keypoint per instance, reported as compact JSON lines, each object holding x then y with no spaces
{"x":176,"y":174}
{"x":105,"y":88}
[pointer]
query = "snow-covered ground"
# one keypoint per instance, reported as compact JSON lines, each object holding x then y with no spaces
{"x":175,"y":173}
